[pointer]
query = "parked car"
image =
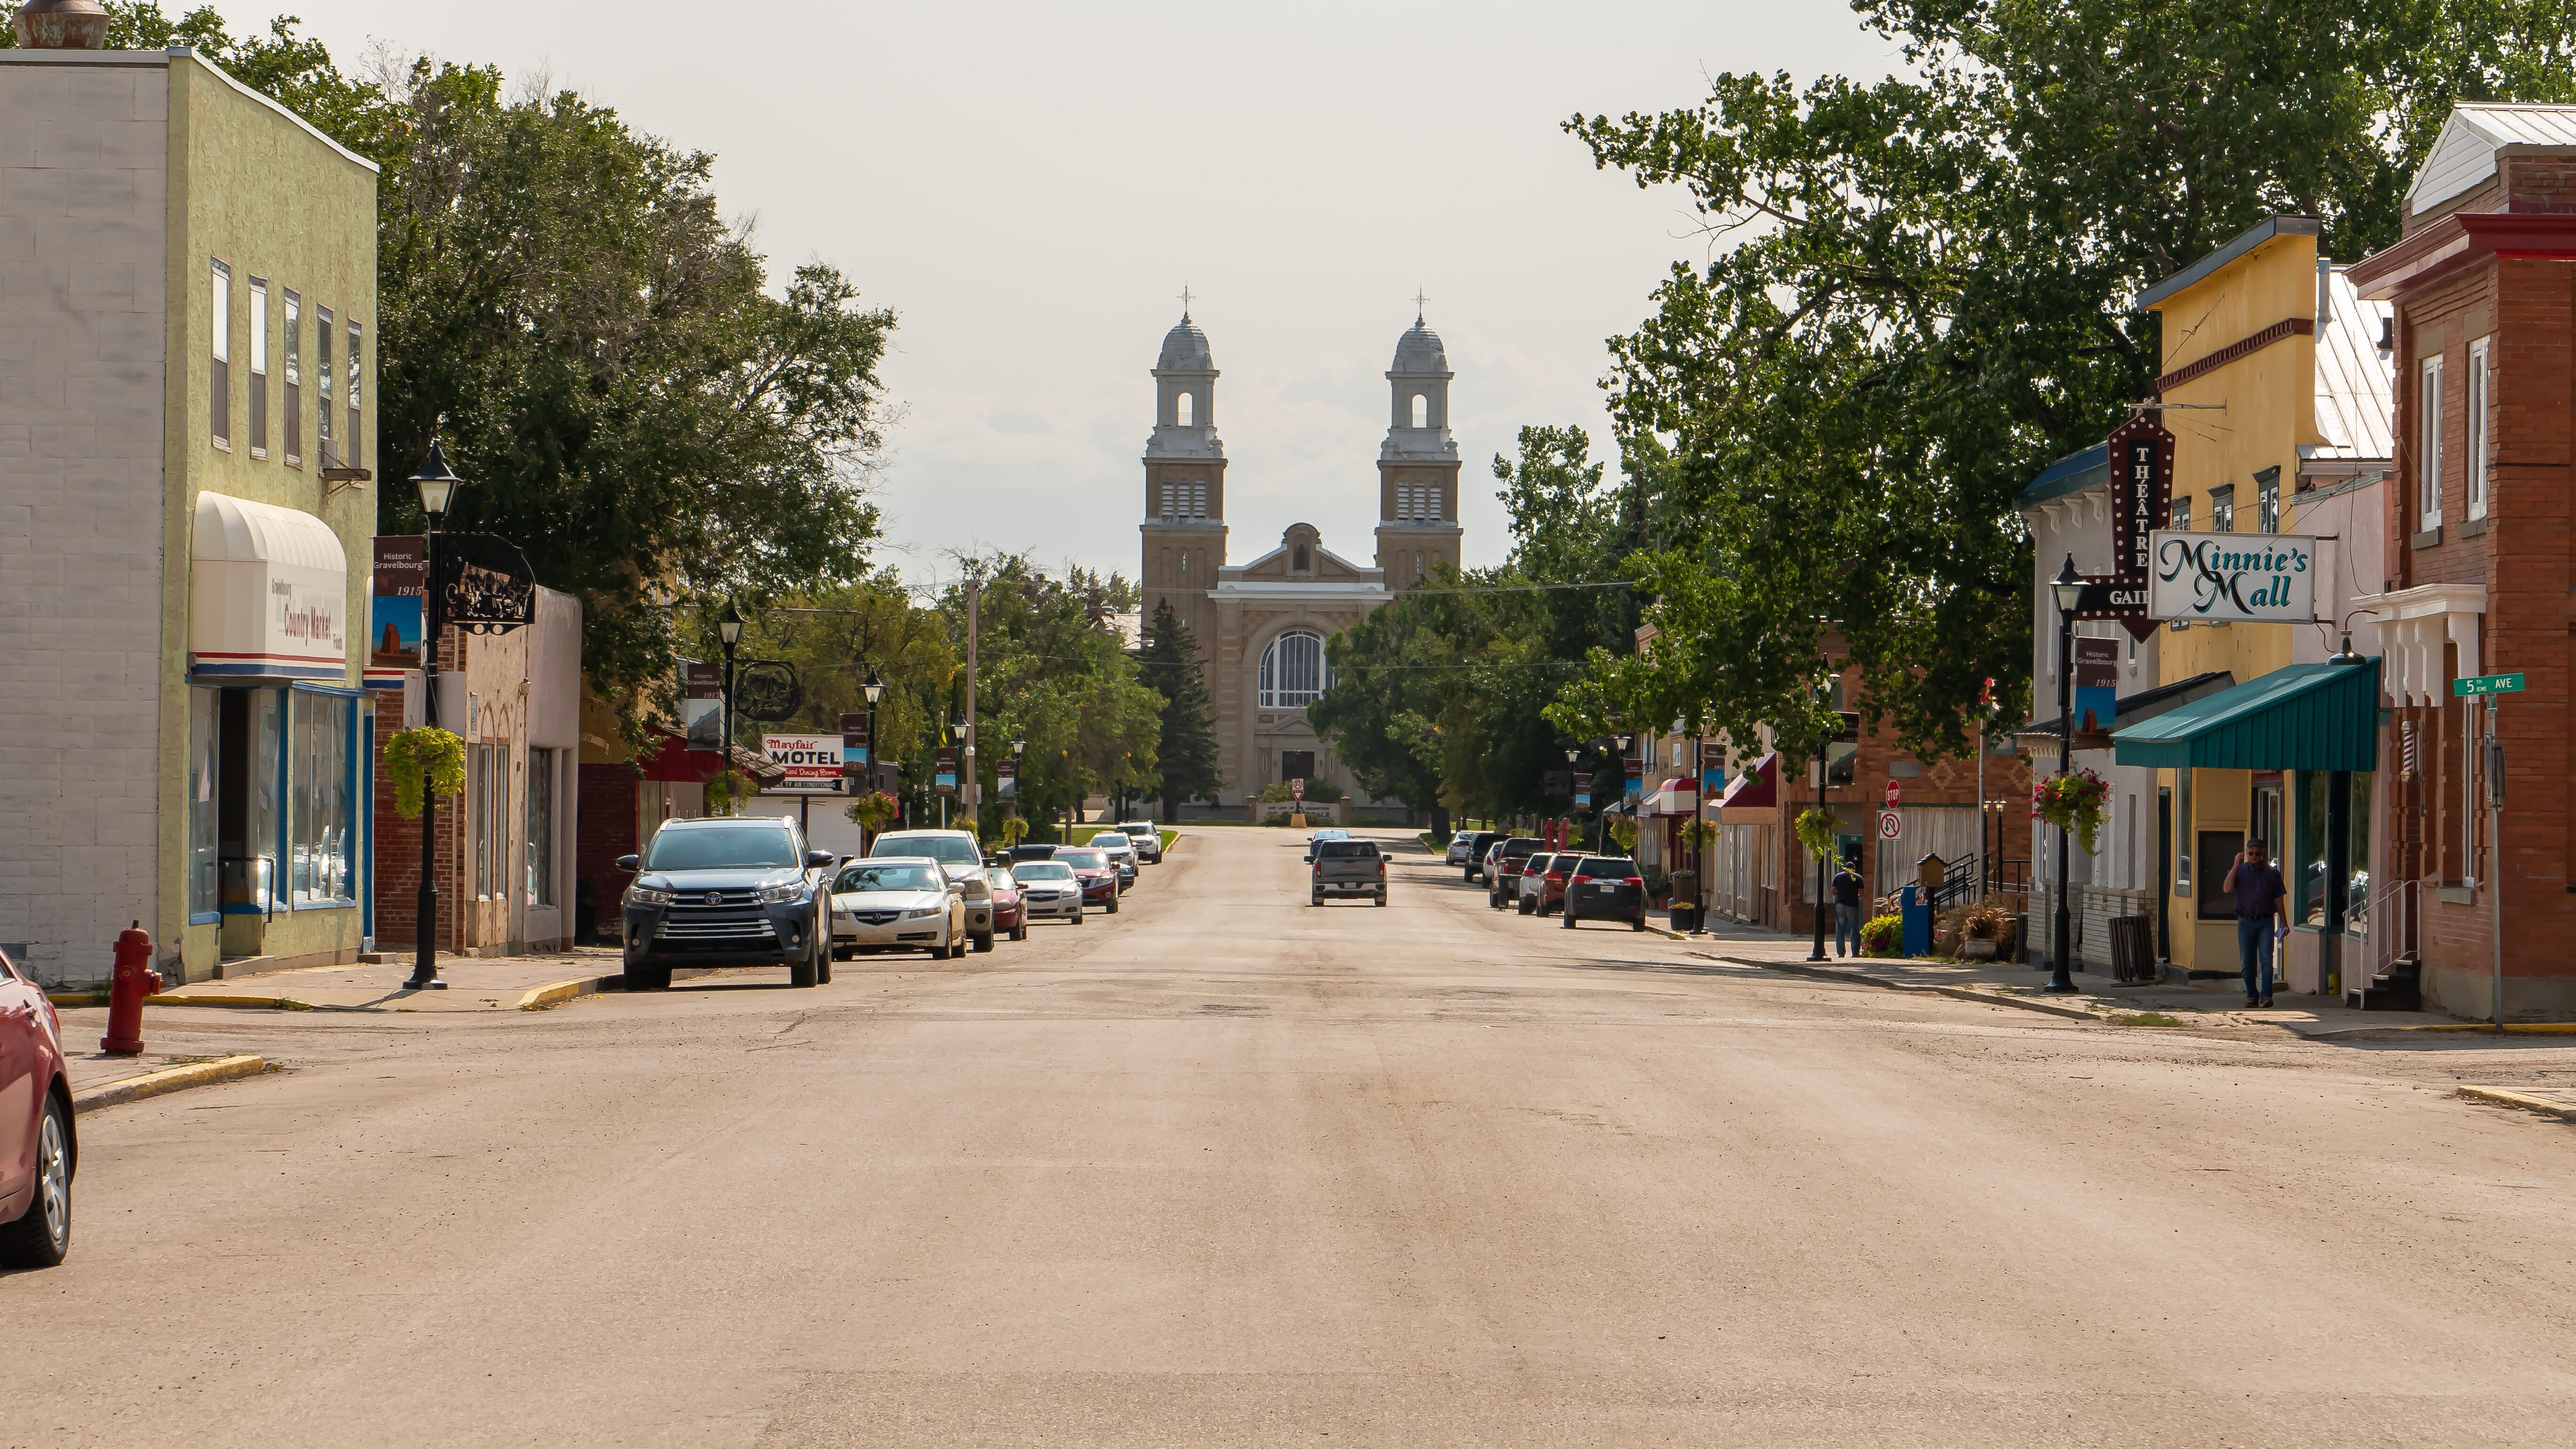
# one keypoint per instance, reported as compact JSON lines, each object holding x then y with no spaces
{"x":963,"y":860}
{"x":1099,"y":878}
{"x":1346,"y":868}
{"x":39,"y":1151}
{"x":1503,"y":868}
{"x":898,"y":903}
{"x":1049,"y":890}
{"x":1548,"y":896}
{"x":1467,"y":848}
{"x":1605,"y":888}
{"x":1148,"y":837}
{"x":1533,"y":881}
{"x":1329,"y":832}
{"x":1010,"y":903}
{"x":1121,"y":852}
{"x":731,"y":891}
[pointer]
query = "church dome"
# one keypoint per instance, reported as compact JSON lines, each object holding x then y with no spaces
{"x":1185,"y":349}
{"x":1419,"y":350}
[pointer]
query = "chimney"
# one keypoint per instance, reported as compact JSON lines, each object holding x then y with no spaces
{"x":62,"y":25}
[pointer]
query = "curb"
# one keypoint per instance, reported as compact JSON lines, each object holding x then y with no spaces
{"x":2502,"y":1097}
{"x":555,"y":993}
{"x":1960,"y":993}
{"x":272,"y":1003}
{"x":171,"y":1079}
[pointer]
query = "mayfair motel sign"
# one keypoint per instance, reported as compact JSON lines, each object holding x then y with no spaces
{"x":2230,"y":578}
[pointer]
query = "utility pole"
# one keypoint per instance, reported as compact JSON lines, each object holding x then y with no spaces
{"x":969,"y":786}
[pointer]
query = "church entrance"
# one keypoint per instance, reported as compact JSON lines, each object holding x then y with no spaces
{"x":1296,"y":765}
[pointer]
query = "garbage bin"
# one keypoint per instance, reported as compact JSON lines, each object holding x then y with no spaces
{"x":2133,"y":949}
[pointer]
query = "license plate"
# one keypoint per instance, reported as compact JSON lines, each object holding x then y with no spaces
{"x":1605,"y":888}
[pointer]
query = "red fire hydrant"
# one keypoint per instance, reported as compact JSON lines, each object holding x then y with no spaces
{"x":135,"y":980}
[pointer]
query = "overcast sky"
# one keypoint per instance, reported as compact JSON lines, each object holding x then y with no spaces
{"x":1030,"y":186}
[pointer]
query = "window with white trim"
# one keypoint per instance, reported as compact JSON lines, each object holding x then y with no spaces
{"x":219,"y":375}
{"x":1293,"y":671}
{"x":2477,"y":421}
{"x":2428,"y":445}
{"x":259,"y":367}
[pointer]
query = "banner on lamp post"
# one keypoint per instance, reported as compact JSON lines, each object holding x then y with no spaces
{"x":2233,"y":578}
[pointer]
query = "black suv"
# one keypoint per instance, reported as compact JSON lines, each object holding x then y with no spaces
{"x":1604,"y":888}
{"x":1503,"y":862}
{"x":736,"y":891}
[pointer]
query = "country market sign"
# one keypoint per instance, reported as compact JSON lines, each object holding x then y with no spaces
{"x":2233,"y":578}
{"x":2486,"y":684}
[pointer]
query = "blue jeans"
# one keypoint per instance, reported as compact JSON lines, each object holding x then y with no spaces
{"x":2254,"y":951}
{"x":1846,"y":930}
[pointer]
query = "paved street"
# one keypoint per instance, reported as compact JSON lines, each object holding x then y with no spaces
{"x":1227,"y":1169}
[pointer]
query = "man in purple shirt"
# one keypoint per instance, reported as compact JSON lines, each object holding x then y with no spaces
{"x":2261,"y":899}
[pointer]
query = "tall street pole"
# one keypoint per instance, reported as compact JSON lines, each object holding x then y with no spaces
{"x":2069,"y":589}
{"x":437,"y":485}
{"x":729,"y":628}
{"x":970,"y":789}
{"x":1818,"y":954}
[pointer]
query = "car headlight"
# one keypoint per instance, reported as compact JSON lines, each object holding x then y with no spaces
{"x":644,"y":895}
{"x":923,"y":913}
{"x":977,"y":890}
{"x":793,"y":890}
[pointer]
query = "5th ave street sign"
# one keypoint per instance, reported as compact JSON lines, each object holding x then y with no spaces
{"x":2477,"y":684}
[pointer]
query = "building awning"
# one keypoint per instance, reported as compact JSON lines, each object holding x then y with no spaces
{"x":671,"y":761}
{"x":267,"y":587}
{"x":1676,"y":796}
{"x":1758,"y":788}
{"x":2303,"y":717}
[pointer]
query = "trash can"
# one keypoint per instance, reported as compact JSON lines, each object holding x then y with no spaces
{"x":2133,"y":949}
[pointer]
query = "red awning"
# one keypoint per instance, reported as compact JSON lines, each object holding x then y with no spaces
{"x":1758,"y":788}
{"x":673,"y":762}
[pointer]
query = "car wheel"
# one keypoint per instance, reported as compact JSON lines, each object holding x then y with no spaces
{"x":1020,"y":932}
{"x":1077,"y":918}
{"x":641,"y":976}
{"x":984,"y":942}
{"x":1638,"y":924}
{"x":823,"y":969}
{"x":1381,"y":898}
{"x":1113,"y":905}
{"x":1315,"y":899}
{"x":1568,"y":922}
{"x":1525,"y":905}
{"x":804,"y":973}
{"x":42,"y":1235}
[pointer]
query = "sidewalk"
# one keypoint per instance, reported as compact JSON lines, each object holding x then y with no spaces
{"x":475,"y":983}
{"x":2096,"y":998}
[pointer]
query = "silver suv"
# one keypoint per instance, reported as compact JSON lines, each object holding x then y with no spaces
{"x":1148,"y":837}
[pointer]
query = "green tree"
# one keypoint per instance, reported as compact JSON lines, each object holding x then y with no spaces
{"x":1922,"y":298}
{"x":1185,"y":752}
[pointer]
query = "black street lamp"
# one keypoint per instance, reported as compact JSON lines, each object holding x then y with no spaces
{"x":1824,"y":762}
{"x":729,"y":626}
{"x":874,"y":689}
{"x":2069,"y":589}
{"x":437,"y":485}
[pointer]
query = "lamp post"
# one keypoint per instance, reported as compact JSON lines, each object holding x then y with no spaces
{"x":1019,"y":749}
{"x":872,"y":690}
{"x":1824,"y":748}
{"x":729,"y":628}
{"x":2069,"y":589}
{"x":1573,"y":753}
{"x":437,"y":485}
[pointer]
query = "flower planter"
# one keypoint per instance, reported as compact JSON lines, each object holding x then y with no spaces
{"x":1977,"y":950}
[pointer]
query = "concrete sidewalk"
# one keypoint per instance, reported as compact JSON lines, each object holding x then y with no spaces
{"x":475,"y":983}
{"x":2215,"y":1004}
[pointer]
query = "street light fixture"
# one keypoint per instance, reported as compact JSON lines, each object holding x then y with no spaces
{"x":2069,"y":589}
{"x":437,"y":484}
{"x":729,"y":628}
{"x":874,"y":689}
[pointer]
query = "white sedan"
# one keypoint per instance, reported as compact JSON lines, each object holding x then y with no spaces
{"x":897,"y":903}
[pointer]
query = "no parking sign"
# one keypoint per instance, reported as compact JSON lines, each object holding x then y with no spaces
{"x":1889,"y":827}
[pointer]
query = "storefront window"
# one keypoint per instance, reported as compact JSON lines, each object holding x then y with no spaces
{"x":541,"y":827}
{"x":2310,"y":907}
{"x":321,"y":866}
{"x":260,"y":825}
{"x":202,"y":899}
{"x":2357,"y":853}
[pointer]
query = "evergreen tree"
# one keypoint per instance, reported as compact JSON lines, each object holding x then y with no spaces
{"x":1188,"y":755}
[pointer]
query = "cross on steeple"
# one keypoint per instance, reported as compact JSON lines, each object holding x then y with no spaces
{"x":1185,"y":301}
{"x":1418,"y":300}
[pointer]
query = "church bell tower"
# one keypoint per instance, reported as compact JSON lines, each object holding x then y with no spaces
{"x":1184,"y":525}
{"x":1417,"y":466}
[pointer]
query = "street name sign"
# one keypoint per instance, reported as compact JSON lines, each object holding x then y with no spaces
{"x":2486,"y":684}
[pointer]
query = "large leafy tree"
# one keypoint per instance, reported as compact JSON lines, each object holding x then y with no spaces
{"x":1186,"y":753}
{"x":1919,"y":297}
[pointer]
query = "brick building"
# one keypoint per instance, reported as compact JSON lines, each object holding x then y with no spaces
{"x":2479,"y":551}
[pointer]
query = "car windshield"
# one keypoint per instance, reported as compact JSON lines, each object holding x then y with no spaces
{"x":890,"y":878}
{"x":946,"y":849}
{"x":735,"y":847}
{"x":1139,"y":831}
{"x":1601,"y":865}
{"x":1111,"y":840}
{"x":1347,"y":849}
{"x":1045,"y":870}
{"x":1083,"y":859}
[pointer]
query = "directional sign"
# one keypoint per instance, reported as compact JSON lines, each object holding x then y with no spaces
{"x":1889,"y":825}
{"x":2487,"y":684}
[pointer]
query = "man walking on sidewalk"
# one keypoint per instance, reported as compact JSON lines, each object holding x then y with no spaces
{"x":1846,"y":888}
{"x":2260,"y":899}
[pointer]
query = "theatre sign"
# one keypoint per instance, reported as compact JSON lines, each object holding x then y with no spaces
{"x":2231,"y":578}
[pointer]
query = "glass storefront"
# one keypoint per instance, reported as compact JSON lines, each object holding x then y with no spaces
{"x":273,"y":809}
{"x":321,"y":860}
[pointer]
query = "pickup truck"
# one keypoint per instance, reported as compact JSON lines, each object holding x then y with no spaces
{"x":1503,"y":864}
{"x":1346,"y":868}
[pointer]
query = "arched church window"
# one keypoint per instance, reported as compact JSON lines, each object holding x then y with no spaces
{"x":1417,"y":565}
{"x":1185,"y":409}
{"x":1185,"y":563}
{"x":1293,"y":672}
{"x":1297,"y":563}
{"x":1421,"y":411}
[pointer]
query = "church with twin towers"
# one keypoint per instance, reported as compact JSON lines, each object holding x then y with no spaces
{"x":1261,"y":625}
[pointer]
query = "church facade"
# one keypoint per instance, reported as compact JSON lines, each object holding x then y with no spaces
{"x":1261,"y":625}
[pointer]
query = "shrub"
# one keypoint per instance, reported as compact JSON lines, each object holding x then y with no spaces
{"x":1882,"y":935}
{"x":425,"y":756}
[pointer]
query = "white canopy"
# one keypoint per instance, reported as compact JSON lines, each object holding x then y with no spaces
{"x":267,"y":591}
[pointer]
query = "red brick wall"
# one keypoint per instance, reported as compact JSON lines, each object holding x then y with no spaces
{"x":605,"y":831}
{"x":397,"y":858}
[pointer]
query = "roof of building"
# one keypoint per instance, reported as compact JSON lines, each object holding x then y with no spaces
{"x":2244,"y":241}
{"x":1185,"y":349}
{"x":2463,"y":155}
{"x":2354,"y":378}
{"x":1419,"y":350}
{"x":2068,"y":475}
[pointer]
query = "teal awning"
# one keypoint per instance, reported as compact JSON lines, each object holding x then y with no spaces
{"x":2304,"y":717}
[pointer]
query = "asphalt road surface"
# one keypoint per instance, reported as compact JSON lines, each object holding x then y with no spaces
{"x":1229,"y":1170}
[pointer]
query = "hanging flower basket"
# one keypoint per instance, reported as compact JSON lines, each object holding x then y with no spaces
{"x":425,"y":755}
{"x":875,"y":808}
{"x":726,"y":790}
{"x":1816,"y":831}
{"x":2076,"y":803}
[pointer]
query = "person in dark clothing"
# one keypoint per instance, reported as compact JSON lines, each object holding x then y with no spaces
{"x":2262,"y":917}
{"x":1846,"y":889}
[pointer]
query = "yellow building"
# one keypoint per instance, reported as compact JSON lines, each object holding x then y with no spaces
{"x":2277,"y":392}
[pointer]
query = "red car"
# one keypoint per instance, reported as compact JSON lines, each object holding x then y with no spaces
{"x":38,"y":1153}
{"x":1098,"y":876}
{"x":1010,"y":907}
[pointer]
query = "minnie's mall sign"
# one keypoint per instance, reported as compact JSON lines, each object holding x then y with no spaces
{"x":2229,"y":578}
